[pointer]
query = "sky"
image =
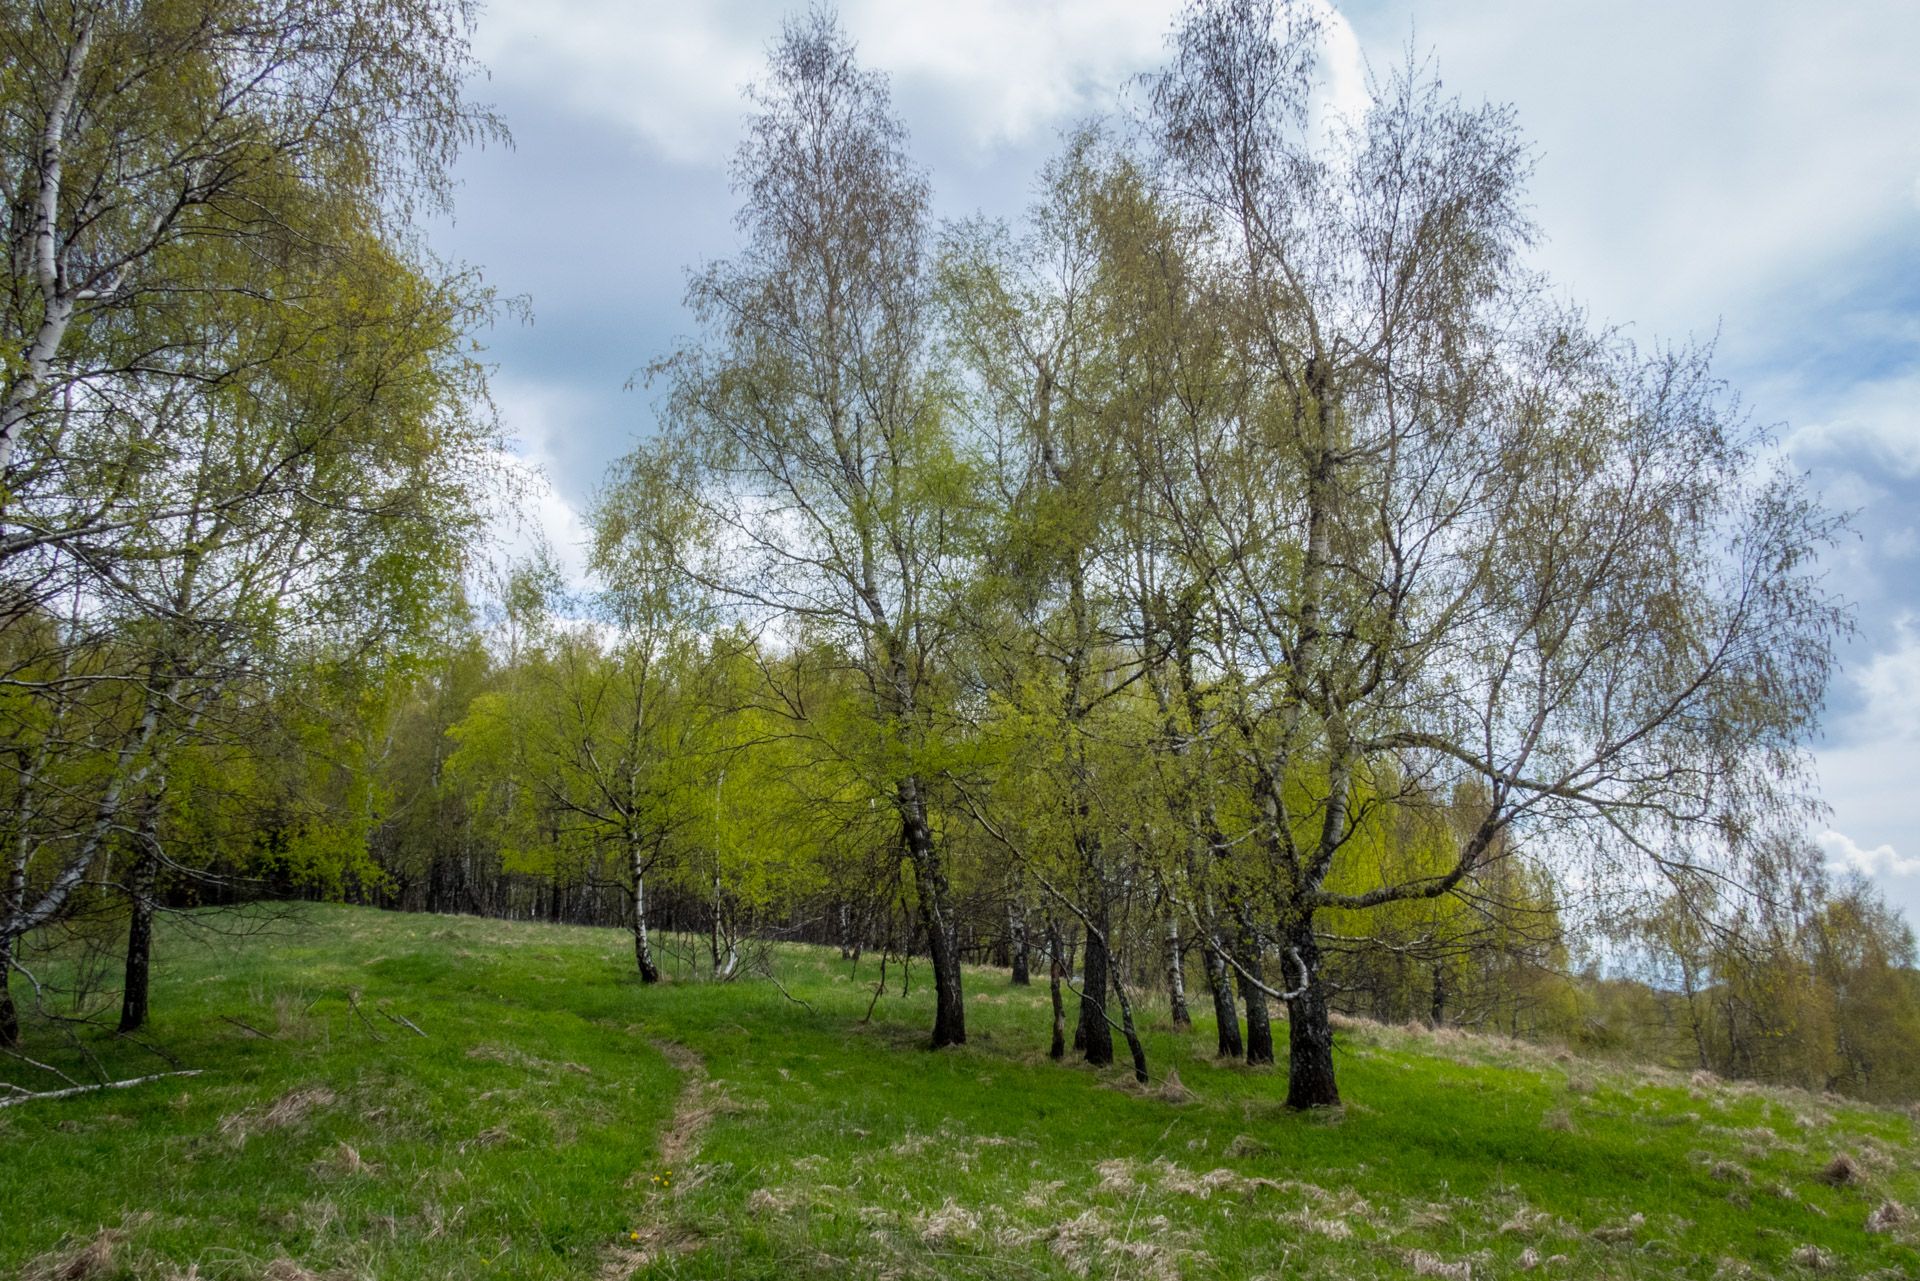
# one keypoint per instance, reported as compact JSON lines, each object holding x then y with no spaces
{"x":1744,"y":172}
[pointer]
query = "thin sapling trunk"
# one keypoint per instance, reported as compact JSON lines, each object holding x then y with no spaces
{"x":1056,"y":967}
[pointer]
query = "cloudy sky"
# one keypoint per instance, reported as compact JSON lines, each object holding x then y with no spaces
{"x":1742,"y":168}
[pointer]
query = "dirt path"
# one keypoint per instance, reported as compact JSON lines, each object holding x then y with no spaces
{"x":681,"y":1139}
{"x":679,"y":1143}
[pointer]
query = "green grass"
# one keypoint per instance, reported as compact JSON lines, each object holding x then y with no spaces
{"x":532,"y":1134}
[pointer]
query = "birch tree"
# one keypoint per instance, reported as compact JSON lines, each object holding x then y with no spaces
{"x":1472,"y":560}
{"x":233,"y":385}
{"x":1025,"y":321}
{"x":811,"y":428}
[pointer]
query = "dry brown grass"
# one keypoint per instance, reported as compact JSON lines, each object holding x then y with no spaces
{"x":95,"y":1258}
{"x":1527,"y":1221}
{"x":1092,"y":1244}
{"x":1203,"y":1186}
{"x":950,"y":1224}
{"x":770,"y":1201}
{"x":1173,"y":1090}
{"x":290,"y":1109}
{"x":1432,"y":1265}
{"x":491,"y":1053}
{"x":288,"y":1270}
{"x":345,"y":1159}
{"x":495,"y":1135}
{"x":1731,"y":1172}
{"x":1842,"y":1172}
{"x":1622,"y":1231}
{"x":1306,"y":1220}
{"x":1814,"y":1259}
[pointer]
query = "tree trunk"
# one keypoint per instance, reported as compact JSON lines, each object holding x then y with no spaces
{"x":10,"y":1018}
{"x":1224,"y":1013}
{"x":1096,"y":1034}
{"x":1310,"y":1082}
{"x":13,"y":904}
{"x":1176,"y":978}
{"x":1017,"y":936}
{"x":133,"y":993}
{"x":722,"y":932}
{"x":1126,"y":1025}
{"x":141,"y":879}
{"x":949,"y":1004}
{"x":1056,"y":966}
{"x":949,"y":1008}
{"x":1259,"y":1029}
{"x":642,"y":949}
{"x":1439,"y":1009}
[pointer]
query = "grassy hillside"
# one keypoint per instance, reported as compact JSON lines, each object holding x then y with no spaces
{"x":558,"y":1120}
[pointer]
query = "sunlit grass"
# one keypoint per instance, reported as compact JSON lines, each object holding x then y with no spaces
{"x":532,"y":1133}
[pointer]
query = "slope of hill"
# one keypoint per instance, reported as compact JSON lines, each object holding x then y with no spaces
{"x":396,"y":1096}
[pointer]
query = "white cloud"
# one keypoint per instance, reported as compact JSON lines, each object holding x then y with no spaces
{"x":1890,"y":684}
{"x":1010,"y":69}
{"x":1843,"y":855}
{"x":1692,"y":153}
{"x":1001,"y":70}
{"x":536,"y":415}
{"x":1874,"y":418}
{"x":1680,"y":168}
{"x":1868,"y":781}
{"x":996,"y":72}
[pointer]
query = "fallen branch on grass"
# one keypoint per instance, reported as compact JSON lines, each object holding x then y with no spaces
{"x":248,"y":1027}
{"x":15,"y":1054}
{"x":790,"y":996}
{"x":354,"y":1003}
{"x":87,"y":1089}
{"x":404,"y":1021}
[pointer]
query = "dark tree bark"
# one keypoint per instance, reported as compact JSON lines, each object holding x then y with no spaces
{"x":1096,"y":1034}
{"x":1259,"y":1028}
{"x":1056,"y":967}
{"x":133,"y":992}
{"x":10,"y":1017}
{"x":141,"y":880}
{"x":11,"y":904}
{"x":1138,"y":1050}
{"x":1310,"y":1081}
{"x":936,"y":911}
{"x":1018,"y":945}
{"x":1439,"y":1009}
{"x":1224,"y":1013}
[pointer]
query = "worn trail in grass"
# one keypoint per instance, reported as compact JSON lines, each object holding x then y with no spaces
{"x":560,"y":1120}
